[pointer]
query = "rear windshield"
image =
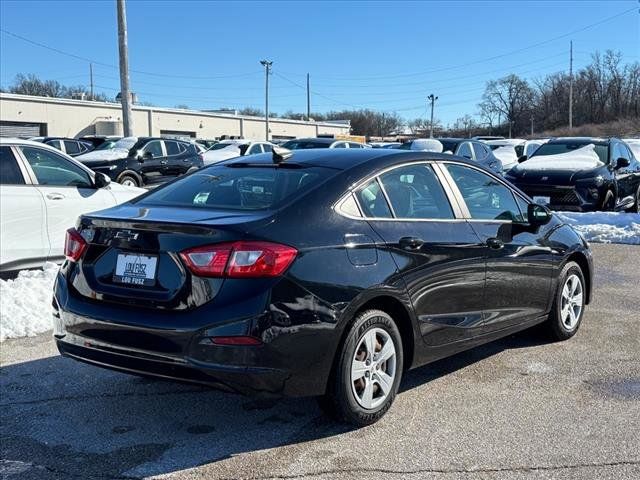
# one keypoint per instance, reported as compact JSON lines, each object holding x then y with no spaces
{"x":239,"y":188}
{"x":555,"y":148}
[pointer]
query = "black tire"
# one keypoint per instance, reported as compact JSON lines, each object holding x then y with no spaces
{"x":636,"y":206}
{"x":125,"y":178}
{"x":609,"y":203}
{"x":558,"y":325}
{"x":340,"y":401}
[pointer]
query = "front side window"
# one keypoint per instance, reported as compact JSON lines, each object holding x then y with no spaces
{"x":52,"y":169}
{"x":415,"y":192}
{"x":266,"y":147}
{"x":10,"y":173}
{"x":355,"y":145}
{"x":154,"y":148}
{"x":486,"y":197}
{"x":55,"y":144}
{"x":255,"y":148}
{"x":372,"y":201}
{"x":340,"y":145}
{"x":620,"y":151}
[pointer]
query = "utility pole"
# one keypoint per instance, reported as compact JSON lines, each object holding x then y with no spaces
{"x":91,"y":79}
{"x":308,"y":100}
{"x":571,"y":84}
{"x":433,"y":100}
{"x":267,"y":71}
{"x":125,"y":92}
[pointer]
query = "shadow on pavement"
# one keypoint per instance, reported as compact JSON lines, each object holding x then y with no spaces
{"x":78,"y":420}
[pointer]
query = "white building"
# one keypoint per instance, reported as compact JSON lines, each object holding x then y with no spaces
{"x":30,"y":116}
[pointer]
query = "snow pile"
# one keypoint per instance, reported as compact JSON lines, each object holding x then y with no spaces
{"x":605,"y":227}
{"x":584,"y":158}
{"x":25,"y":303}
{"x":507,"y":156}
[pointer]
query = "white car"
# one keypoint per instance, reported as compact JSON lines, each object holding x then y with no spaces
{"x":234,"y":148}
{"x":42,"y":193}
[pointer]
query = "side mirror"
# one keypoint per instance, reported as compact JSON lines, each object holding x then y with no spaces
{"x":101,"y":180}
{"x":522,"y":158}
{"x":622,"y":163}
{"x":538,"y":214}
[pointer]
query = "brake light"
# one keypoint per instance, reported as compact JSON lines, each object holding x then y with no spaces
{"x":74,"y":245}
{"x":239,"y":259}
{"x":236,"y":340}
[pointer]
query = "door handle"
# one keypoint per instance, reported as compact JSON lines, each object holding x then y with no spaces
{"x":411,"y":243}
{"x":495,"y":243}
{"x":55,"y":196}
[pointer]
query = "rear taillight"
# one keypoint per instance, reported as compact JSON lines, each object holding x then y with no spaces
{"x":74,"y":245}
{"x":239,"y":259}
{"x":236,"y":341}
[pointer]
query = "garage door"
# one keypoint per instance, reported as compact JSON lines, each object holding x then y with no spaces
{"x":22,"y":129}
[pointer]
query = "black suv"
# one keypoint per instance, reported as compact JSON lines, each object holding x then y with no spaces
{"x":581,"y":174}
{"x":149,"y":161}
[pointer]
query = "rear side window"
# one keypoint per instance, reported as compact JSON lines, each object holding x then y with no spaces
{"x":372,"y":201}
{"x":485,"y":197}
{"x":223,"y":187}
{"x":71,"y":147}
{"x":481,"y":151}
{"x":415,"y":192}
{"x":465,"y":150}
{"x":10,"y":173}
{"x":172,"y":147}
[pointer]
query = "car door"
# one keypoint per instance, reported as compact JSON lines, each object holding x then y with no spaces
{"x":438,"y":255}
{"x":154,"y":162}
{"x":178,"y":160}
{"x":519,"y":258}
{"x":23,"y":235}
{"x":67,"y":190}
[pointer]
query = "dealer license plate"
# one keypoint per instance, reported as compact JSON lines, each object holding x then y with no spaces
{"x":134,"y":269}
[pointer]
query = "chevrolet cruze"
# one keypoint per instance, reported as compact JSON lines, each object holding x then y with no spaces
{"x":316,"y":273}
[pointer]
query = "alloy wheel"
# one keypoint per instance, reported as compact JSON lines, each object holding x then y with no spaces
{"x":373,"y":368}
{"x":572,"y":301}
{"x":128,"y":182}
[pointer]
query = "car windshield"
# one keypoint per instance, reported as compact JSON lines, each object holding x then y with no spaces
{"x":125,"y":143}
{"x":107,"y":145}
{"x":558,"y":148}
{"x":238,"y":187}
{"x":304,"y":144}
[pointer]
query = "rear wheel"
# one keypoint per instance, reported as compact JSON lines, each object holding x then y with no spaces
{"x":609,"y":201}
{"x":568,"y":306}
{"x":636,"y":206}
{"x":368,"y":370}
{"x":128,"y":180}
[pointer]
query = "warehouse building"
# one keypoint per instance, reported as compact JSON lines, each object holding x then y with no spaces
{"x":30,"y":116}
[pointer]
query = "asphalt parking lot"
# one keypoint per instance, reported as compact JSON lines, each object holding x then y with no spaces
{"x":520,"y":408}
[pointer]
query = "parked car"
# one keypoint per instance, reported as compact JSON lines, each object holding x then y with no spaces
{"x":634,"y":146}
{"x":226,"y":149}
{"x":207,"y":144}
{"x":422,"y":144}
{"x":385,"y":144}
{"x":516,"y":143}
{"x":508,"y":150}
{"x":71,"y":146}
{"x":581,"y":174}
{"x":140,"y":161}
{"x":42,"y":193}
{"x":412,"y":256}
{"x":530,"y":146}
{"x":321,"y":142}
{"x":487,"y":137}
{"x":472,"y":150}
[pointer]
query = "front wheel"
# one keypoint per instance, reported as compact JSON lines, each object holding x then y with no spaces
{"x":128,"y":180}
{"x":368,"y":371}
{"x":568,"y":306}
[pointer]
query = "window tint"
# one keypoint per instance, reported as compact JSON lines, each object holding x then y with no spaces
{"x":372,"y":201}
{"x":620,"y":151}
{"x":524,"y":207}
{"x":71,"y":147}
{"x":10,"y":173}
{"x":154,"y":147}
{"x":255,"y":148}
{"x":481,"y":151}
{"x":54,"y":144}
{"x":350,"y":207}
{"x":486,"y":198}
{"x":340,"y":145}
{"x":224,"y":187}
{"x":465,"y":150}
{"x":355,"y":145}
{"x":415,"y":192}
{"x":172,"y":147}
{"x":266,"y":147}
{"x":52,"y":169}
{"x":556,"y":148}
{"x":305,"y":144}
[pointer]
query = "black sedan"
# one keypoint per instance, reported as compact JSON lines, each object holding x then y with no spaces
{"x":320,"y":272}
{"x":581,"y":174}
{"x":145,"y":160}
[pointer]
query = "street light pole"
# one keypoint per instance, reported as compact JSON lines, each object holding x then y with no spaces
{"x":267,"y":71}
{"x":125,"y":92}
{"x":433,"y":100}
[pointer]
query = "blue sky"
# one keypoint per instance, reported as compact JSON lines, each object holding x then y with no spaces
{"x":387,"y":56}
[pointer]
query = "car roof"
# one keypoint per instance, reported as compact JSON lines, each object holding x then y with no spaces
{"x":344,"y":159}
{"x":581,"y":140}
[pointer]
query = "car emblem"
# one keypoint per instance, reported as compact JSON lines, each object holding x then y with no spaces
{"x":126,"y":235}
{"x":544,"y":178}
